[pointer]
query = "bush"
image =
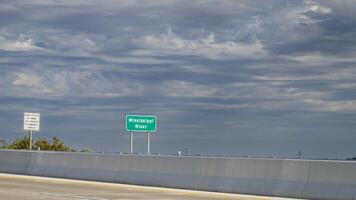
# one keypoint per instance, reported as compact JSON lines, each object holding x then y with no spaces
{"x":42,"y":144}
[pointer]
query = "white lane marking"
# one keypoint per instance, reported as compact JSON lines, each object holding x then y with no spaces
{"x":72,"y":196}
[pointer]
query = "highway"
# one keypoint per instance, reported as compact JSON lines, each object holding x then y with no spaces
{"x":20,"y":187}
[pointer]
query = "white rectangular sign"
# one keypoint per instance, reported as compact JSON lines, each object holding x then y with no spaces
{"x":31,"y":121}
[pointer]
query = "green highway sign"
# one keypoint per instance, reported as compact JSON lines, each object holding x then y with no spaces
{"x":142,"y":123}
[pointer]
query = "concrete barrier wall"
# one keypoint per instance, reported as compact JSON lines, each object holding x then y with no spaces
{"x":175,"y":172}
{"x":255,"y":176}
{"x":330,"y":180}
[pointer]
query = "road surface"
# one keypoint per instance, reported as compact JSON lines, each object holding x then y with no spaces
{"x":19,"y":187}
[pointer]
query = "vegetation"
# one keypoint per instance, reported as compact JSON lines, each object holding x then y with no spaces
{"x":85,"y":150}
{"x":2,"y":143}
{"x":41,"y":144}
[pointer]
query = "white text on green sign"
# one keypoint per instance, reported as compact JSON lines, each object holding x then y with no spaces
{"x":141,"y":123}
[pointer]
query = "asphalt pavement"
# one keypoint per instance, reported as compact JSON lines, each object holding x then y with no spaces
{"x":20,"y":187}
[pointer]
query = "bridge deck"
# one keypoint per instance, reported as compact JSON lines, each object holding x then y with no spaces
{"x":19,"y":187}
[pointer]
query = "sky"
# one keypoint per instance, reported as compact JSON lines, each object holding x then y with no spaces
{"x":234,"y":77}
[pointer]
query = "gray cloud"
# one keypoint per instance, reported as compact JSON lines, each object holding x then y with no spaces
{"x":219,"y":75}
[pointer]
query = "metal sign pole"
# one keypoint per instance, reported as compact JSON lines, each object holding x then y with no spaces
{"x":30,"y":139}
{"x":148,"y":143}
{"x":131,"y":142}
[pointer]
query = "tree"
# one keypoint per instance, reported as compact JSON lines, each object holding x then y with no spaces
{"x":2,"y":144}
{"x":57,"y":145}
{"x":20,"y":143}
{"x":85,"y":150}
{"x":42,"y":144}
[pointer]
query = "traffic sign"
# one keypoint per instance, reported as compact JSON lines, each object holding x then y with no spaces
{"x":31,"y":121}
{"x":142,"y":123}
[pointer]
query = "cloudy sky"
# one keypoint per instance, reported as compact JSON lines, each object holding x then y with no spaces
{"x":239,"y":77}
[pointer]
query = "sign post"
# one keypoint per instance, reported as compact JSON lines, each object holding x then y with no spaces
{"x":148,"y":143}
{"x":30,"y":140}
{"x":131,"y":142}
{"x":31,"y":122}
{"x":141,"y":123}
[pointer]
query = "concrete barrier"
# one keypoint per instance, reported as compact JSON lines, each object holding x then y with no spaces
{"x":329,"y":180}
{"x":15,"y":161}
{"x":254,"y":176}
{"x":332,"y":180}
{"x":175,"y":172}
{"x":97,"y":167}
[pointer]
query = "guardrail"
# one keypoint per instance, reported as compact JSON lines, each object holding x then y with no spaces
{"x":329,"y":180}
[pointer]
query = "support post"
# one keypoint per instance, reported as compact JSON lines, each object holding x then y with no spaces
{"x":131,"y":142}
{"x":30,"y":140}
{"x":148,"y":143}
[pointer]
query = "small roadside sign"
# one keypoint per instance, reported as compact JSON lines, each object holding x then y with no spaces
{"x":31,"y":121}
